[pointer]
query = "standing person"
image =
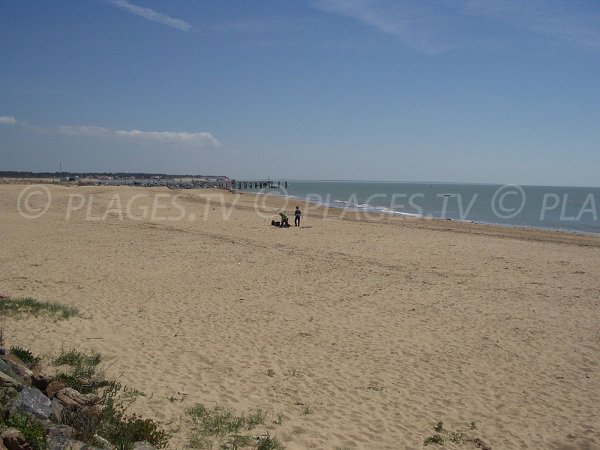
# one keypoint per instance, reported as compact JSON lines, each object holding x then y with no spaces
{"x":297,"y":215}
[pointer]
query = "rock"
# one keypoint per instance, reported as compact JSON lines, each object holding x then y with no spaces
{"x":6,"y":381}
{"x":94,"y":412}
{"x":481,"y":444}
{"x":63,"y":443}
{"x":7,"y":370}
{"x":40,"y":381}
{"x":68,"y":413}
{"x":76,"y":400}
{"x":59,"y":430}
{"x":2,"y":447}
{"x":14,"y":359}
{"x":6,"y":395}
{"x":143,"y":445}
{"x":14,"y":440}
{"x":11,"y":405}
{"x":58,"y":409}
{"x":53,"y":387}
{"x":19,"y":367}
{"x":99,"y":440}
{"x":9,"y":388}
{"x":35,"y":402}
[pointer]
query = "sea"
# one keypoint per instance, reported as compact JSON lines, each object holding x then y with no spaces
{"x":574,"y":209}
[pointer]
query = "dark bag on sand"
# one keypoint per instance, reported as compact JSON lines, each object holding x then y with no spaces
{"x":275,"y":223}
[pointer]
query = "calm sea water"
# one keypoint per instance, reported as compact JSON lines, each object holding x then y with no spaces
{"x":552,"y":207}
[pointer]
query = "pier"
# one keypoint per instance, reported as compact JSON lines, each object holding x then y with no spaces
{"x":152,"y":180}
{"x":257,"y":184}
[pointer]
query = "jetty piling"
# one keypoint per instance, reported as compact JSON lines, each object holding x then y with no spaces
{"x":257,"y":184}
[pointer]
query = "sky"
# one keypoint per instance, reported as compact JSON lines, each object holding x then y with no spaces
{"x":482,"y":91}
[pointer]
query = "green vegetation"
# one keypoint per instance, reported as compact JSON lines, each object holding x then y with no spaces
{"x":131,"y":393}
{"x":269,"y":443}
{"x":79,"y":371}
{"x":211,"y":428}
{"x":307,"y":410}
{"x":26,"y":356}
{"x":442,"y":435}
{"x":19,"y":307}
{"x":76,"y":358}
{"x":123,"y":430}
{"x":293,"y":372}
{"x":457,"y":437}
{"x":226,"y":429}
{"x":435,"y":439}
{"x":32,"y":431}
{"x":219,"y":420}
{"x":109,"y":419}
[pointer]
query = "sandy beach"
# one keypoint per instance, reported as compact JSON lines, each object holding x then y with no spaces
{"x":361,"y":332}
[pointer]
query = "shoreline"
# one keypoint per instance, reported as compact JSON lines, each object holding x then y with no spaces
{"x":358,"y":209}
{"x":373,"y":210}
{"x":438,"y":224}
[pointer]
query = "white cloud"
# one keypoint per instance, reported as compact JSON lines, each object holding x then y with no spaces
{"x":175,"y":137}
{"x":84,"y":131}
{"x":199,"y":137}
{"x":8,"y":120}
{"x":152,"y":15}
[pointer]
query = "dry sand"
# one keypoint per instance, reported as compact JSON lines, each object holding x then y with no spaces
{"x":379,"y":328}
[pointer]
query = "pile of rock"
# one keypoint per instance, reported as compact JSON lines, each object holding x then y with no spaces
{"x":61,"y":412}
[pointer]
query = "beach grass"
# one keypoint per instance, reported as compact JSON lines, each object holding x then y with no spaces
{"x":34,"y":432}
{"x":19,"y":307}
{"x":81,"y":370}
{"x":28,"y":358}
{"x":442,"y":435}
{"x":228,"y":429}
{"x":75,"y":358}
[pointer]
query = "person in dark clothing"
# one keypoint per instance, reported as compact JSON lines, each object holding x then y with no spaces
{"x":297,"y":215}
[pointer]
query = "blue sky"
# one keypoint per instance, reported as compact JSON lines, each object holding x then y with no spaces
{"x":433,"y":90}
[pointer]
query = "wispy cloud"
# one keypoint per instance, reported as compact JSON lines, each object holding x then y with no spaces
{"x":174,"y":137}
{"x":418,"y":24}
{"x":196,"y":138}
{"x":152,"y":15}
{"x":8,"y":120}
{"x":433,"y":26}
{"x":576,"y":22}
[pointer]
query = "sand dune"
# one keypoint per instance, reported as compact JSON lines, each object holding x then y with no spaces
{"x":375,"y":328}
